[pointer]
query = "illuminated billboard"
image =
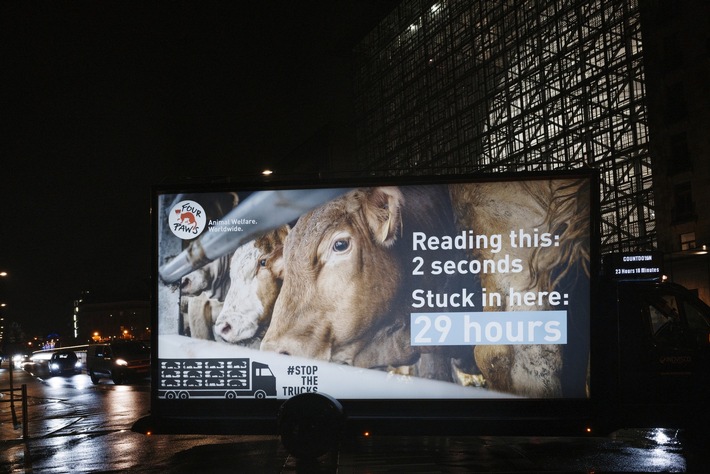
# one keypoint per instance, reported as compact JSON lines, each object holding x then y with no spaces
{"x":444,"y":288}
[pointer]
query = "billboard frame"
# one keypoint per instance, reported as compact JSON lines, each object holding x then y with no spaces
{"x":411,"y":416}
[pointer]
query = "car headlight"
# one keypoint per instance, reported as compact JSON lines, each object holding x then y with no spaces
{"x":121,"y":362}
{"x":54,"y":366}
{"x":77,"y":365}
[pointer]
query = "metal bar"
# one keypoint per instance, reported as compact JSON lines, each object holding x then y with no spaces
{"x":270,"y":209}
{"x":25,"y":427}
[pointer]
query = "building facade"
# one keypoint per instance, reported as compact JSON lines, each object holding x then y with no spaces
{"x":677,"y":52}
{"x":458,"y":86}
{"x":106,"y":321}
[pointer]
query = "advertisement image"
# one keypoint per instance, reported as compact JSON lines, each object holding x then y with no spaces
{"x":459,"y":289}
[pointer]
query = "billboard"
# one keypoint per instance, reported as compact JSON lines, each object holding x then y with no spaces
{"x":441,"y":288}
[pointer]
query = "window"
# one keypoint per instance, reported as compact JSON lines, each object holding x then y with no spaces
{"x":680,"y":156}
{"x":672,"y":53}
{"x":665,"y":320}
{"x":683,"y":206}
{"x":696,"y":321}
{"x":687,"y":241}
{"x":675,"y":103}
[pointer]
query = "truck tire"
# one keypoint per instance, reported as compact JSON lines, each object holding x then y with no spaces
{"x":260,"y":395}
{"x":310,"y":424}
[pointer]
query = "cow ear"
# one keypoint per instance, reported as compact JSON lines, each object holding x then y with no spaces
{"x":276,"y":262}
{"x":383,"y":213}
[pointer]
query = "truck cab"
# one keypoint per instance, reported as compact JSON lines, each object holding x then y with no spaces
{"x":662,"y":351}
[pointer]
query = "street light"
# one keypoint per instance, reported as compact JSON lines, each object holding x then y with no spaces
{"x":3,"y":274}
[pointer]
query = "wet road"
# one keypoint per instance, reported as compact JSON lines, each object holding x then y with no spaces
{"x":74,"y":426}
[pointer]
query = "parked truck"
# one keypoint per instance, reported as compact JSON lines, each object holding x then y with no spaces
{"x":439,"y":304}
{"x":658,"y":364}
{"x":228,"y":378}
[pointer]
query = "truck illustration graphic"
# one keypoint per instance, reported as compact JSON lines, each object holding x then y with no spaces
{"x":215,"y":378}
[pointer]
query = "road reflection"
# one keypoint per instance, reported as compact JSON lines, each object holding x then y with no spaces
{"x":79,"y":382}
{"x":75,"y":426}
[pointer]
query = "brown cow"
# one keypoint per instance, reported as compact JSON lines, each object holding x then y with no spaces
{"x":347,"y":277}
{"x":550,"y":206}
{"x":199,"y":314}
{"x":212,"y":277}
{"x":202,"y":294}
{"x":255,"y":273}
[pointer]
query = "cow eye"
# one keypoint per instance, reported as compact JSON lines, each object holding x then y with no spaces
{"x":341,"y":245}
{"x":262,"y":262}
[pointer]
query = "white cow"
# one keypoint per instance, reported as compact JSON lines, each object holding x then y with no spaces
{"x":256,"y":276}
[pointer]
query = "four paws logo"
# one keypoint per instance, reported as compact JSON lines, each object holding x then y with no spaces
{"x":187,"y":219}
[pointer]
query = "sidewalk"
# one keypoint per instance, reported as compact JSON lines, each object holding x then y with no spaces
{"x":16,"y":417}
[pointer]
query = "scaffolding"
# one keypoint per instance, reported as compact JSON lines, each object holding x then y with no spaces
{"x":462,"y":86}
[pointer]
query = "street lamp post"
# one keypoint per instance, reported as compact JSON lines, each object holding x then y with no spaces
{"x":3,"y":274}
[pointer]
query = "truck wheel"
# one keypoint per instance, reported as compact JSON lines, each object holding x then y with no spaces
{"x":230,"y":395}
{"x":310,"y":424}
{"x":94,"y":378}
{"x":260,"y":395}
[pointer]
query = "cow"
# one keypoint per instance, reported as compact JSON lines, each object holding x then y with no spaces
{"x":212,"y":278}
{"x":548,"y":206}
{"x":199,"y":314}
{"x":346,"y":276}
{"x":202,"y":291}
{"x":256,"y":276}
{"x":202,"y":295}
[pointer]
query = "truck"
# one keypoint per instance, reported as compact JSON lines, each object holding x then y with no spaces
{"x":466,"y":304}
{"x":659,"y":362}
{"x":208,"y":378}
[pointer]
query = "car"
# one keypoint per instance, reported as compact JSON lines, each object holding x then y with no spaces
{"x":20,"y":360}
{"x":64,"y":362}
{"x":120,"y":361}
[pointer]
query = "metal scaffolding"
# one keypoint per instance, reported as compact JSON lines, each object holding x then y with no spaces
{"x":460,"y":86}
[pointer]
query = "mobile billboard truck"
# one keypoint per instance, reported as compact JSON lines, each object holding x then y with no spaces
{"x":419,"y":305}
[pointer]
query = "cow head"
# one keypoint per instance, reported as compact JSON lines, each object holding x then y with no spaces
{"x":212,"y":277}
{"x":341,"y":280}
{"x":255,"y":273}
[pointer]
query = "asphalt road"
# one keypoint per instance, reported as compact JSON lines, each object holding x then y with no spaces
{"x":75,"y":426}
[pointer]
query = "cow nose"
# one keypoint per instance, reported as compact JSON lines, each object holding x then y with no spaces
{"x":286,"y":353}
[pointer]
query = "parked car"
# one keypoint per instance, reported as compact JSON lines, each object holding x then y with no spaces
{"x":64,"y":362}
{"x":119,"y":361}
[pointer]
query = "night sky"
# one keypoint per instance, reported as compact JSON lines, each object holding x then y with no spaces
{"x":101,"y":99}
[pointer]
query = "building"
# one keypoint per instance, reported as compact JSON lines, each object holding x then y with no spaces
{"x":97,"y":320}
{"x":677,"y":52}
{"x":457,"y":86}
